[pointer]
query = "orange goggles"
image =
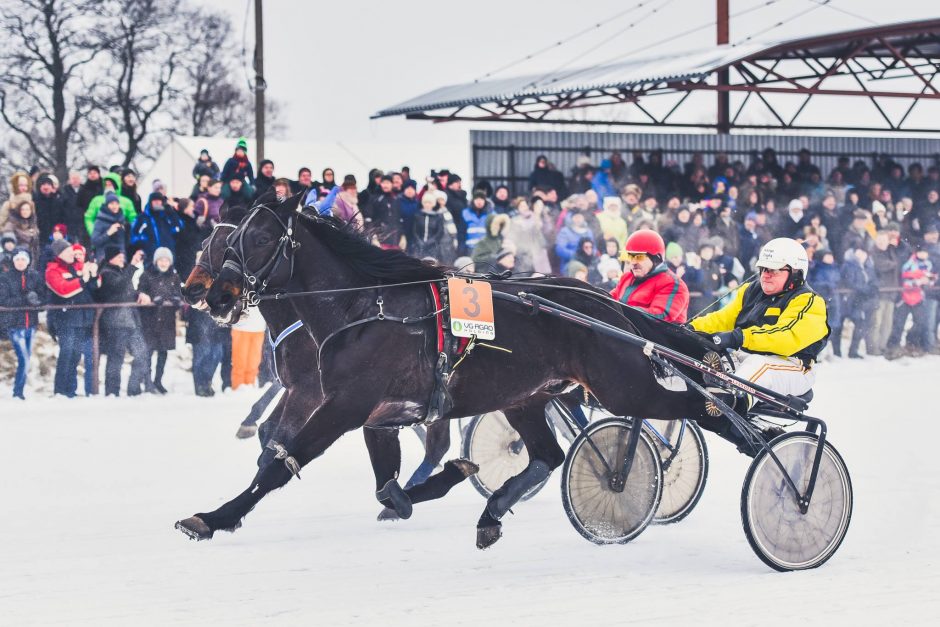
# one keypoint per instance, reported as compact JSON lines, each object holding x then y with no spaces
{"x":632,"y":257}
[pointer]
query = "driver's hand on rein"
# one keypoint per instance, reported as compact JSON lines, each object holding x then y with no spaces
{"x":728,"y":340}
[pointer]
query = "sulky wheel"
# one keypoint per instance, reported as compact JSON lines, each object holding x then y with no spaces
{"x":492,"y":444}
{"x":685,"y":473}
{"x":783,"y":537}
{"x":600,"y":513}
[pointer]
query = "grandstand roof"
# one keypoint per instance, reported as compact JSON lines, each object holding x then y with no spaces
{"x":863,"y":63}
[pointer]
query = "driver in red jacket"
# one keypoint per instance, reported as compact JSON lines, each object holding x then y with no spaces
{"x":648,"y":283}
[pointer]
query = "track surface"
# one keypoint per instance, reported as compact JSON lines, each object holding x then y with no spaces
{"x":92,"y":488}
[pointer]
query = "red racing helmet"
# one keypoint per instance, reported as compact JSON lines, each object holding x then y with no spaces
{"x":646,"y":241}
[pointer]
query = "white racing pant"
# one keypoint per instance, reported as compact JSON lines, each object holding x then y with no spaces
{"x":784,"y":375}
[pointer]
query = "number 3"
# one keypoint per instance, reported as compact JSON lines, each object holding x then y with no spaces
{"x":471,"y":293}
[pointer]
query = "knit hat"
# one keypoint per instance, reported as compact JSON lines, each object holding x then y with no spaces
{"x":574,"y":267}
{"x":479,"y":194}
{"x":78,"y":248}
{"x":242,"y":143}
{"x":751,"y":215}
{"x":110,"y":252}
{"x":7,"y":236}
{"x":21,"y":252}
{"x":156,"y":196}
{"x":111,"y":197}
{"x":59,"y":246}
{"x":204,"y":151}
{"x":673,"y":250}
{"x":162,"y":253}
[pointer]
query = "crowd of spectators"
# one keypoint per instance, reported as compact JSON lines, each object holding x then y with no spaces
{"x":870,"y":229}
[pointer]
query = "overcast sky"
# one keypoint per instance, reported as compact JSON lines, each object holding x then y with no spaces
{"x":335,"y":64}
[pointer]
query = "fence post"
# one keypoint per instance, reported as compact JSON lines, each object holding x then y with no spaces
{"x":95,"y":352}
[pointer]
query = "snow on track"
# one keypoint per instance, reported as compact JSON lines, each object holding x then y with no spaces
{"x":92,"y":488}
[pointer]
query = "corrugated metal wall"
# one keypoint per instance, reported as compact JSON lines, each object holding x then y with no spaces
{"x":507,"y":157}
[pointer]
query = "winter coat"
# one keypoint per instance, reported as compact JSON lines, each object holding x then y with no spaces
{"x":50,"y":210}
{"x":131,"y":194}
{"x":887,"y":269}
{"x":346,"y":207}
{"x":660,"y":293}
{"x":913,"y":272}
{"x":20,"y":289}
{"x":74,"y":216}
{"x":117,"y":286}
{"x":528,"y":233}
{"x":99,"y":235}
{"x":456,"y":203}
{"x":475,"y":224}
{"x":16,"y":198}
{"x":826,"y":279}
{"x":433,"y":235}
{"x":487,"y":248}
{"x":210,"y":168}
{"x":728,"y":231}
{"x":613,"y":226}
{"x":235,"y":169}
{"x":154,"y":229}
{"x":86,"y":192}
{"x":26,"y":231}
{"x":209,"y":207}
{"x":66,"y":287}
{"x":263,"y":184}
{"x":188,"y":243}
{"x":407,"y":208}
{"x":96,"y":204}
{"x":603,"y":186}
{"x":863,"y":283}
{"x":159,"y":322}
{"x":383,"y":213}
{"x":566,"y":243}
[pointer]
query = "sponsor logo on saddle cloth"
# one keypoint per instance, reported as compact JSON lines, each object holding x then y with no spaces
{"x":471,"y":309}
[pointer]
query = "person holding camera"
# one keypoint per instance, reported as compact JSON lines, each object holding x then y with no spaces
{"x":20,"y":287}
{"x":110,"y":230}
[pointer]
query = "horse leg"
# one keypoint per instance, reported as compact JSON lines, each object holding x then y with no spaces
{"x":249,"y":425}
{"x":385,"y":455}
{"x":324,"y":427}
{"x":544,"y":456}
{"x":436,"y":444}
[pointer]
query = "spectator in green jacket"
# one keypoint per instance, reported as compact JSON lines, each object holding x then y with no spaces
{"x":112,"y":183}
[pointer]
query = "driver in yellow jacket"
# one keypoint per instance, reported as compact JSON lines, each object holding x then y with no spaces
{"x":779,"y":322}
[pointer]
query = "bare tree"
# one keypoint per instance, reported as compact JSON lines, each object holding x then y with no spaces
{"x":146,"y":59}
{"x":44,"y":101}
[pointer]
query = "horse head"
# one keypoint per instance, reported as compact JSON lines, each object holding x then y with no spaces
{"x":258,"y":257}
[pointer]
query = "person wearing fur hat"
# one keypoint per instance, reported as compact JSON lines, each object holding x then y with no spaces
{"x":69,"y":284}
{"x":160,"y":286}
{"x":23,"y":223}
{"x":433,"y":231}
{"x":21,"y":287}
{"x":120,"y":326}
{"x":157,"y":226}
{"x":239,"y":167}
{"x":21,"y":188}
{"x":110,"y":227}
{"x":486,"y":250}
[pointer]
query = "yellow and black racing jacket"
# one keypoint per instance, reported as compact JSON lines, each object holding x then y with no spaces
{"x":790,"y":324}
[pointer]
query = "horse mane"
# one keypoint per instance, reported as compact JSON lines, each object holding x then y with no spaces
{"x":353,"y":247}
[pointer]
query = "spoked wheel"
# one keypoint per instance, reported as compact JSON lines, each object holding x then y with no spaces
{"x":683,"y":475}
{"x":600,"y":513}
{"x":783,"y":537}
{"x":492,"y":444}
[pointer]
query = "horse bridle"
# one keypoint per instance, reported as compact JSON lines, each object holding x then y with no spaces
{"x":236,"y":249}
{"x":205,"y":261}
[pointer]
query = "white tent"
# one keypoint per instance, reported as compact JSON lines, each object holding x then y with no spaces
{"x":175,"y":164}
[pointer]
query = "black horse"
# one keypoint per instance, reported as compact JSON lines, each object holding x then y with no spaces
{"x":295,"y":361}
{"x":381,"y":372}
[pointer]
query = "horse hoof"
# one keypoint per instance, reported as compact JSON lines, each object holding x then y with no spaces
{"x":246,"y":431}
{"x":194,"y":528}
{"x":465,"y":466}
{"x":487,"y":536}
{"x":392,"y":495}
{"x":387,"y":515}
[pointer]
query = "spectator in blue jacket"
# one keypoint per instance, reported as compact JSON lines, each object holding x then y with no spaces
{"x":859,"y":277}
{"x":157,"y":226}
{"x":569,"y":237}
{"x":474,"y":217}
{"x":825,"y":277}
{"x":602,"y":182}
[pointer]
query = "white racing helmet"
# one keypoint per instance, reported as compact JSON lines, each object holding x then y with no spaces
{"x":781,"y":252}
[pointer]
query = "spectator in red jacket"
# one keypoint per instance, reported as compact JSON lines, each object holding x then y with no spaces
{"x":648,"y":283}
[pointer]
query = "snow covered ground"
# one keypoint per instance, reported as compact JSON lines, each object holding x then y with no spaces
{"x":92,"y":488}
